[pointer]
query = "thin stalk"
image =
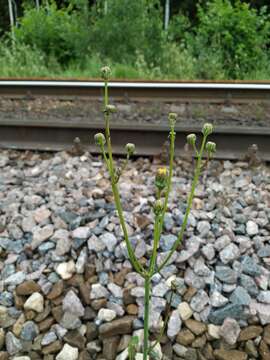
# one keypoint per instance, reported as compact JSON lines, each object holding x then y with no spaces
{"x":147,"y":285}
{"x":137,"y":266}
{"x":169,"y":183}
{"x":164,"y":325}
{"x":190,"y":199}
{"x":155,"y":247}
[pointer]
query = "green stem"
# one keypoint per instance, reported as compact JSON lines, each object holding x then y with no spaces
{"x":135,"y":263}
{"x":190,"y":199}
{"x":164,"y":324}
{"x":156,"y":243}
{"x":169,"y":183}
{"x":147,"y":285}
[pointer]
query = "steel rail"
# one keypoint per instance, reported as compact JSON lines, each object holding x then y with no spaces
{"x":233,"y":143}
{"x":164,"y":91}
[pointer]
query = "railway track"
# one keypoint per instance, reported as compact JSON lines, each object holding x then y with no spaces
{"x":233,"y":142}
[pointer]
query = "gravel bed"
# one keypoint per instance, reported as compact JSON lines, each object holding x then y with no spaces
{"x":67,"y":290}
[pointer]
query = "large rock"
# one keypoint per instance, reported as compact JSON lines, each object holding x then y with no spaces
{"x":230,"y":355}
{"x":230,"y":331}
{"x":13,"y":344}
{"x":232,"y":311}
{"x":117,"y":327}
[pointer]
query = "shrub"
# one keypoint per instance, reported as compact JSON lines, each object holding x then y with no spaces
{"x":128,"y":28}
{"x":236,"y":37}
{"x":62,"y":33}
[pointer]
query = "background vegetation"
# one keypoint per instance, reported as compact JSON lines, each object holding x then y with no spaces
{"x":215,"y":39}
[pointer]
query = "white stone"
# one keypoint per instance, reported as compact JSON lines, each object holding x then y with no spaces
{"x":106,"y":315}
{"x":185,"y":311}
{"x":21,"y":358}
{"x":35,"y":302}
{"x":66,"y":269}
{"x":68,"y":353}
{"x":174,"y":324}
{"x":81,"y":232}
{"x":213,"y":331}
{"x":217,"y":299}
{"x":252,"y":228}
{"x":123,"y":355}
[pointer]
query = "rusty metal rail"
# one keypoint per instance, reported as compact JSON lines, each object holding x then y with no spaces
{"x":232,"y":142}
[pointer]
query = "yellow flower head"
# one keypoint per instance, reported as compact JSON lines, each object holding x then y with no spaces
{"x":162,"y":172}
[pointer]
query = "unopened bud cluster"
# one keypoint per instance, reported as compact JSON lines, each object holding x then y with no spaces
{"x":158,"y":207}
{"x":100,"y":139}
{"x":109,"y":109}
{"x":130,"y":148}
{"x":191,"y":139}
{"x":106,"y":72}
{"x":207,"y":129}
{"x":210,"y":147}
{"x":172,"y":119}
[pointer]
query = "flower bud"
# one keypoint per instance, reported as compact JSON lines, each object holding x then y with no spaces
{"x":207,"y":129}
{"x":161,"y":178}
{"x":158,"y":207}
{"x":210,"y":147}
{"x":109,"y":109}
{"x":100,"y":139}
{"x":191,"y":139}
{"x":172,"y":118}
{"x":130,"y":148}
{"x":105,"y":73}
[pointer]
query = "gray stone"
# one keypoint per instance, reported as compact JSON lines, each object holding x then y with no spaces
{"x":29,"y":331}
{"x":94,"y":244}
{"x":81,"y":261}
{"x":217,"y":299}
{"x":116,"y":290}
{"x":229,"y":253}
{"x":13,"y":344}
{"x":180,"y":350}
{"x":249,"y":284}
{"x":264,"y":251}
{"x":168,"y":222}
{"x":98,"y":291}
{"x":15,"y":279}
{"x":252,"y":228}
{"x":199,"y":301}
{"x":63,"y":241}
{"x":41,"y":234}
{"x":208,"y":251}
{"x":109,"y":240}
{"x":203,"y":227}
{"x":230,"y":331}
{"x":174,"y":324}
{"x":226,"y":274}
{"x":264,"y":297}
{"x":240,"y":296}
{"x":193,"y":246}
{"x":72,"y":304}
{"x":250,"y":267}
{"x":200,"y":268}
{"x":70,"y":321}
{"x":160,"y":289}
{"x":6,"y":298}
{"x":233,"y":311}
{"x":221,"y":242}
{"x":48,"y":338}
{"x":167,"y":241}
